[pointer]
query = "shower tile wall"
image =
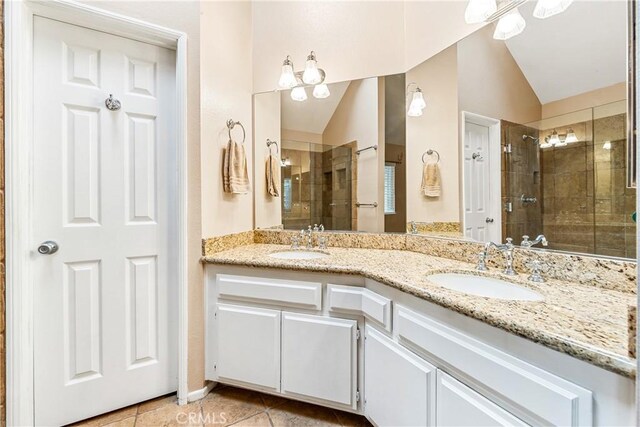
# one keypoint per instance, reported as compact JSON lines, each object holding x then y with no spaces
{"x":521,"y":176}
{"x":567,"y":188}
{"x":337,"y":187}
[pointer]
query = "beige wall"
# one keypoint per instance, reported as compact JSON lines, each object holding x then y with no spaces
{"x":266,"y":116}
{"x":605,"y":95}
{"x":296,"y":135}
{"x":183,"y":16}
{"x":436,"y":129}
{"x":490,"y":83}
{"x":357,"y":119}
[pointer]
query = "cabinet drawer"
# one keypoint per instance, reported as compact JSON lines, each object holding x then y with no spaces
{"x":288,"y":293}
{"x":459,"y":406}
{"x":536,"y":396}
{"x":360,"y":301}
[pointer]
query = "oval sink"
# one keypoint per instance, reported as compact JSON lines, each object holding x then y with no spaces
{"x":298,"y":255}
{"x":484,"y":287}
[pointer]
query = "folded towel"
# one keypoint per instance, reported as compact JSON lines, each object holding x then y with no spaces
{"x":431,"y":180}
{"x":235,"y":176}
{"x":273,"y":175}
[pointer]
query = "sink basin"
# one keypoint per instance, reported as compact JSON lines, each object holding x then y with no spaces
{"x":298,"y":255}
{"x":484,"y":287}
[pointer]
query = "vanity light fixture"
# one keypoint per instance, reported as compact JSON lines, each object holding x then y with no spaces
{"x":418,"y":103}
{"x":547,"y":8}
{"x":554,"y":139}
{"x":287,"y":77}
{"x":311,"y":75}
{"x":479,"y":10}
{"x":509,"y":25}
{"x":298,"y":93}
{"x":321,"y":91}
{"x":606,"y":145}
{"x":571,"y":137}
{"x":510,"y":21}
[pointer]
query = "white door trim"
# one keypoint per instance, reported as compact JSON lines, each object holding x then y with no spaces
{"x":495,"y":192}
{"x":19,"y":186}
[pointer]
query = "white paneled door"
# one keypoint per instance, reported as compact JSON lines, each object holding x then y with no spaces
{"x":105,"y":322}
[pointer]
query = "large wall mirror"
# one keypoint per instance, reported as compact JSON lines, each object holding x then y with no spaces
{"x":524,"y":136}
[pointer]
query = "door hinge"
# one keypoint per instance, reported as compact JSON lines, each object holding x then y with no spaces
{"x":357,"y":395}
{"x":357,"y":333}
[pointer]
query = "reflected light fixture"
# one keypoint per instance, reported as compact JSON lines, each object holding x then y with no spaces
{"x":479,"y":10}
{"x":417,"y":104}
{"x":287,"y":77}
{"x":547,"y":8}
{"x":298,"y":93}
{"x":311,"y":75}
{"x":554,"y":139}
{"x":571,"y":137}
{"x":321,"y":91}
{"x":606,"y":145}
{"x":509,"y":25}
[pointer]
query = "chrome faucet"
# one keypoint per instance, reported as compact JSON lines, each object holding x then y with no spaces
{"x":507,"y":249}
{"x":526,"y":243}
{"x":308,"y":236}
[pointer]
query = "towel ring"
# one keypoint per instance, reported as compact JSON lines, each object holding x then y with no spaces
{"x":270,"y":143}
{"x":231,"y":124}
{"x":429,"y":153}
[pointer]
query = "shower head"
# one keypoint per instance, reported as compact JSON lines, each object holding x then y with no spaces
{"x":525,"y":137}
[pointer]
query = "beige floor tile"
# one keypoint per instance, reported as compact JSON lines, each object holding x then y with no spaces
{"x":271,"y":401}
{"x":127,"y":422}
{"x":347,"y":419}
{"x":172,"y":415}
{"x":156,"y":403}
{"x":299,"y":414}
{"x":110,"y":417}
{"x":260,"y":420}
{"x":228,"y":405}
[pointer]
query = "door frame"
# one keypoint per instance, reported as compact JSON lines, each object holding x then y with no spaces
{"x":495,"y":191}
{"x":18,"y":85}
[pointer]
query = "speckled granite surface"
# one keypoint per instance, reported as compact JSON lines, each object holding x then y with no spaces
{"x":448,"y":229}
{"x":584,"y":321}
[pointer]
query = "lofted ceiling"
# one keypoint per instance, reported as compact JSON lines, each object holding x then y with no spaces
{"x":577,"y":51}
{"x":311,"y":115}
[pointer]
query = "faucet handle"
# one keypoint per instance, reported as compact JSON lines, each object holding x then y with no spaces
{"x":315,"y":228}
{"x":295,"y":242}
{"x":536,"y":275}
{"x":322,"y":242}
{"x":321,"y":228}
{"x":482,"y":261}
{"x":509,"y":241}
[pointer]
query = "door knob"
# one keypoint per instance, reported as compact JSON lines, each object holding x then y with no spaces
{"x":489,"y":220}
{"x":48,"y":248}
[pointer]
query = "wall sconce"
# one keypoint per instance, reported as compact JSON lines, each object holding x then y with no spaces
{"x":297,"y":80}
{"x":417,"y":101}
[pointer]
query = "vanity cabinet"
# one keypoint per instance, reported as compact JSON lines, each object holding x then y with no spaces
{"x":249,"y":345}
{"x":400,"y":387}
{"x":319,"y":358}
{"x":460,"y":406}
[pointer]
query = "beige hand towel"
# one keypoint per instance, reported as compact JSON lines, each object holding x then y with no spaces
{"x":273,"y":175}
{"x":431,"y":180}
{"x":235,"y":175}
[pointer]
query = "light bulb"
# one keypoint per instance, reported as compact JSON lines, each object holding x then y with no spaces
{"x":311,"y":75}
{"x":554,"y":139}
{"x":546,"y":145}
{"x":321,"y":91}
{"x":479,"y":10}
{"x":414,"y":111}
{"x":547,"y":8}
{"x":417,"y":101}
{"x":287,"y":77}
{"x":606,"y":145}
{"x":571,"y":137}
{"x":298,"y":93}
{"x":509,"y":25}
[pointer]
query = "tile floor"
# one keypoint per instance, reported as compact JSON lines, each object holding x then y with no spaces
{"x":226,"y":406}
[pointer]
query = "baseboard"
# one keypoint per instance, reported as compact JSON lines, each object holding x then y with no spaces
{"x":201,"y":393}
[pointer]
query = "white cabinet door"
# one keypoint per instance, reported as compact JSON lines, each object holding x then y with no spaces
{"x":319,"y":358}
{"x":248,"y":345}
{"x":459,"y":406}
{"x":399,"y":386}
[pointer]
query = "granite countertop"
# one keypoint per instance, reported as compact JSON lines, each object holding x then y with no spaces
{"x":584,"y":321}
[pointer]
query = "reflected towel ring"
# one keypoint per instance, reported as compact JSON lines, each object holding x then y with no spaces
{"x":270,"y":143}
{"x":429,"y":153}
{"x":231,"y":124}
